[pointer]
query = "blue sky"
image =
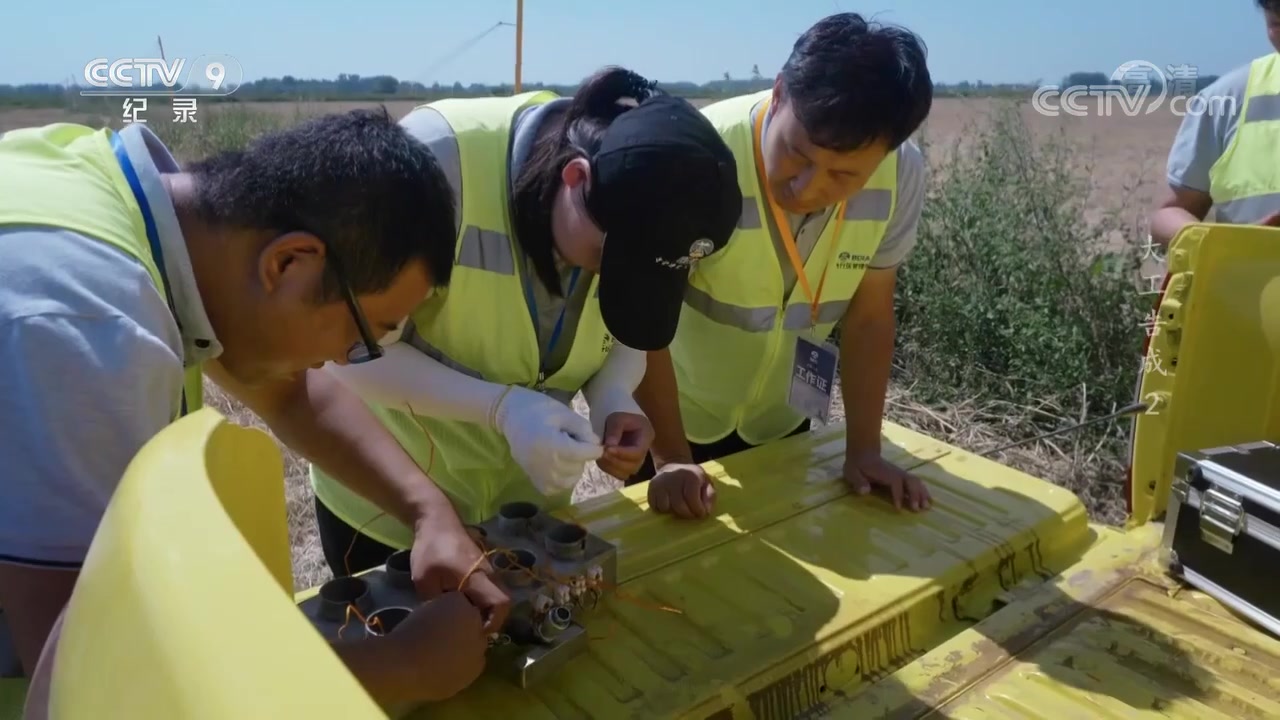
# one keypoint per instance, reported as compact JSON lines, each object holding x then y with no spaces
{"x":564,"y":40}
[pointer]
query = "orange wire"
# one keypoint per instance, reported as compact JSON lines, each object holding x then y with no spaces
{"x":431,"y":461}
{"x":510,"y":555}
{"x":346,"y":559}
{"x":431,"y":456}
{"x":351,"y":608}
{"x":562,"y":580}
{"x":553,"y":577}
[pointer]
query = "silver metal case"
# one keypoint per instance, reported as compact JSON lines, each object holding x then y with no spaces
{"x":1222,"y":529}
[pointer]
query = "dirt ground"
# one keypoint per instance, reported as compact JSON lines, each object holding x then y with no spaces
{"x":1125,"y":160}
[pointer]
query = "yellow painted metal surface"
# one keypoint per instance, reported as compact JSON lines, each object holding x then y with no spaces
{"x":798,"y":599}
{"x":1113,"y":638}
{"x":183,"y":609}
{"x":797,"y":588}
{"x":1212,"y":371}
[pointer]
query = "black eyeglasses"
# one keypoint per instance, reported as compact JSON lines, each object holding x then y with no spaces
{"x":367,"y":348}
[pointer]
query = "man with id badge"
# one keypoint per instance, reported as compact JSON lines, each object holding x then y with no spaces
{"x":832,"y":191}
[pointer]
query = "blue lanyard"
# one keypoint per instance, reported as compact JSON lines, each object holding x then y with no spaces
{"x":153,"y":237}
{"x":555,"y":331}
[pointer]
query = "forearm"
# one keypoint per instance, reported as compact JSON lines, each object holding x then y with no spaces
{"x":866,"y":355}
{"x":327,"y":424}
{"x":387,"y":680}
{"x":332,"y":428}
{"x":1167,"y":222}
{"x":658,"y":397}
{"x":611,"y":389}
{"x":32,"y":598}
{"x":407,"y":378}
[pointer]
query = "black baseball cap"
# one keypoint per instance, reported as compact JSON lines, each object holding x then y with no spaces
{"x":664,"y":189}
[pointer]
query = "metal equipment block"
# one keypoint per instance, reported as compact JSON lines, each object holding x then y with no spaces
{"x":555,"y":573}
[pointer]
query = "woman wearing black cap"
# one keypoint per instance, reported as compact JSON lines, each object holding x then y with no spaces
{"x":578,"y":219}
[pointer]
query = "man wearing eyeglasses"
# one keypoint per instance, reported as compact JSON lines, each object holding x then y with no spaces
{"x":122,"y":276}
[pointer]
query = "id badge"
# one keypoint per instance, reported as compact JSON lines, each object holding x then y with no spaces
{"x":812,"y":375}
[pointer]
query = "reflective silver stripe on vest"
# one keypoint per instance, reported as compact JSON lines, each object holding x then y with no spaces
{"x":750,"y":217}
{"x":1263,"y":107}
{"x":873,"y":204}
{"x":1248,"y":209}
{"x":486,"y":250}
{"x":761,"y":319}
{"x":797,"y":315}
{"x":411,"y":336}
{"x":751,"y":319}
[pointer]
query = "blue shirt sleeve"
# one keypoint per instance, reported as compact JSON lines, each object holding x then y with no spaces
{"x":1206,"y":129}
{"x":900,"y":234}
{"x":92,"y":370}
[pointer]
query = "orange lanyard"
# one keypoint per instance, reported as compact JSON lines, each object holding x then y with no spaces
{"x":784,"y":227}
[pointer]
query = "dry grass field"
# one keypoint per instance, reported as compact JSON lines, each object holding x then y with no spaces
{"x":1127,"y":151}
{"x":1122,"y":158}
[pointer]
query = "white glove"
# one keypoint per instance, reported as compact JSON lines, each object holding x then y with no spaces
{"x":550,"y":441}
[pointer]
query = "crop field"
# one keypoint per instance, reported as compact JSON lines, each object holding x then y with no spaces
{"x":1004,"y":183}
{"x":1125,"y":150}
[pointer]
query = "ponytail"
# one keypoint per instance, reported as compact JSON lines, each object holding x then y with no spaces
{"x":575,"y":133}
{"x":603,"y":97}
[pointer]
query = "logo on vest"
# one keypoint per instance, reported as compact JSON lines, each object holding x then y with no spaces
{"x":698,"y":250}
{"x":607,"y":344}
{"x":850,"y":261}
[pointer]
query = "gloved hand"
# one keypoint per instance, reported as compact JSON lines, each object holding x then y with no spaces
{"x":549,"y":441}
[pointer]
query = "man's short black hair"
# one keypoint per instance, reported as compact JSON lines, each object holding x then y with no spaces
{"x":851,"y":83}
{"x":375,"y":195}
{"x":1272,"y":5}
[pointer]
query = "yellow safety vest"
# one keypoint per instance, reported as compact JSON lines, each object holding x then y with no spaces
{"x":1245,"y":181}
{"x":480,"y":326}
{"x":734,"y":350}
{"x":68,"y":176}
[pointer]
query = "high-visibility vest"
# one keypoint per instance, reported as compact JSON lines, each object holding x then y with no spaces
{"x":480,"y":325}
{"x":1244,"y":182}
{"x":69,"y":177}
{"x":735,"y":347}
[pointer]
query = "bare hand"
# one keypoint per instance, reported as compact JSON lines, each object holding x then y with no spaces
{"x":443,"y":553}
{"x":627,"y":437}
{"x":441,"y":645}
{"x":685,"y":491}
{"x":867,"y":469}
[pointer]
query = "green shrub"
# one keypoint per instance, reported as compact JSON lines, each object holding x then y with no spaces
{"x":1020,"y":290}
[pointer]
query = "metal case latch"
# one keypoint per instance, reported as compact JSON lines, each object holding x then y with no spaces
{"x":1181,"y":488}
{"x":1221,"y":518}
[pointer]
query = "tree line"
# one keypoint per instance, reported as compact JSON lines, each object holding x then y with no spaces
{"x":1184,"y":80}
{"x":354,"y":87}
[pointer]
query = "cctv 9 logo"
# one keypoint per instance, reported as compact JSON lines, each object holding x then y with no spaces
{"x":206,"y":75}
